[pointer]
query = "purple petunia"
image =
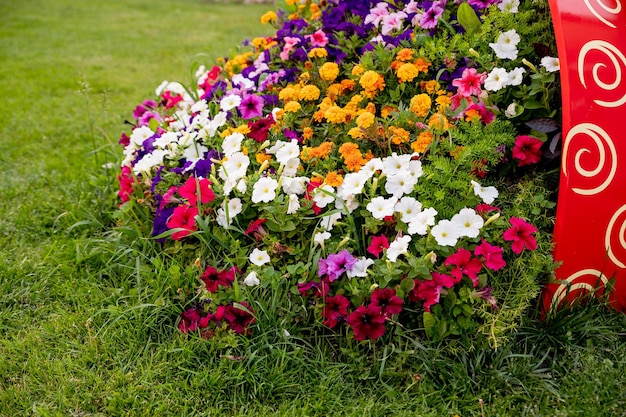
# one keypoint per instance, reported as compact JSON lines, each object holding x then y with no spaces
{"x":336,"y":264}
{"x":251,"y":106}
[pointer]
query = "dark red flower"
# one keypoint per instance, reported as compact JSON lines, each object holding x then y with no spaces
{"x":367,"y":322}
{"x":238,"y":318}
{"x":464,"y":265}
{"x":256,"y":229}
{"x":485,"y":208}
{"x":194,"y":318}
{"x":213,"y":279}
{"x":387,"y":300}
{"x":378,"y":245}
{"x":192,"y":188}
{"x":183,"y":217}
{"x":521,"y":235}
{"x":491,"y":255}
{"x":124,"y":139}
{"x":430,"y":290}
{"x":314,"y":288}
{"x":527,"y":150}
{"x":259,"y":129}
{"x":335,"y":310}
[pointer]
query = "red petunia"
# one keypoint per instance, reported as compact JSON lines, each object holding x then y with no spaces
{"x":430,"y":290}
{"x":378,"y":245}
{"x":367,"y":322}
{"x":256,"y":229}
{"x":238,"y":319}
{"x":170,"y":100}
{"x":183,"y":217}
{"x":126,"y":181}
{"x":213,"y":279}
{"x":521,"y":235}
{"x":335,"y":309}
{"x":194,"y":188}
{"x":491,"y":255}
{"x":259,"y":129}
{"x":464,"y":265}
{"x":387,"y":300}
{"x":527,"y":150}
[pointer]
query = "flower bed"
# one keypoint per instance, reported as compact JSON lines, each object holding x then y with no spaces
{"x":391,"y":164}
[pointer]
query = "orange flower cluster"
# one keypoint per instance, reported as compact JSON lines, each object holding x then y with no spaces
{"x":407,"y":68}
{"x":352,"y":156}
{"x":319,"y":152}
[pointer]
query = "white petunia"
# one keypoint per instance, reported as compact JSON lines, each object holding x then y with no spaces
{"x":166,"y":139}
{"x":506,"y":45}
{"x":350,"y":204}
{"x":288,"y":151}
{"x":422,"y":220}
{"x":194,"y":153}
{"x":294,"y":185}
{"x":290,"y":169}
{"x":259,"y":257}
{"x":468,"y":221}
{"x":446,"y":233}
{"x":329,"y":221}
{"x":149,"y":161}
{"x":516,"y":76}
{"x":229,"y":102}
{"x":140,"y":134}
{"x":371,"y":167}
{"x":242,"y":185}
{"x":323,"y":195}
{"x":232,"y":143}
{"x":293,"y":204}
{"x":359,"y":269}
{"x":396,"y":164}
{"x":400,"y":184}
{"x":550,"y":64}
{"x":228,"y":211}
{"x":399,"y":246}
{"x":381,"y":207}
{"x":510,"y":6}
{"x":497,"y":79}
{"x":234,"y":167}
{"x":199,"y":106}
{"x":408,"y":207}
{"x":321,"y":237}
{"x":251,"y":279}
{"x":352,"y":185}
{"x":242,"y":82}
{"x":264,"y":190}
{"x":488,"y":194}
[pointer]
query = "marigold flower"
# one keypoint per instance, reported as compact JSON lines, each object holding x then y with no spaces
{"x":307,"y":133}
{"x":365,"y":120}
{"x":354,"y":162}
{"x":335,"y":114}
{"x":423,"y":140}
{"x":405,"y":55}
{"x":387,"y":110}
{"x":333,"y":179}
{"x":356,"y":133}
{"x":439,"y":122}
{"x":407,"y":72}
{"x":329,"y":71}
{"x":398,"y":135}
{"x":420,"y":104}
{"x":333,"y":91}
{"x":318,"y":53}
{"x":262,"y":157}
{"x":430,"y":86}
{"x":288,"y":93}
{"x":443,"y":103}
{"x":358,"y":70}
{"x":269,"y":17}
{"x":292,"y":107}
{"x":347,"y":85}
{"x":349,"y":148}
{"x":421,"y":64}
{"x":368,"y":80}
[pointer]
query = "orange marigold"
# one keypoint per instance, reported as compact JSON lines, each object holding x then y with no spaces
{"x":443,"y":103}
{"x":472,"y":114}
{"x":420,"y":104}
{"x":262,"y":157}
{"x":307,"y":133}
{"x":439,"y":122}
{"x":349,"y":148}
{"x":430,"y":86}
{"x":407,"y":72}
{"x":288,"y":93}
{"x":329,"y":71}
{"x":369,"y":80}
{"x":347,"y":85}
{"x":422,"y":64}
{"x":333,"y":179}
{"x":398,"y":135}
{"x":354,"y":162}
{"x":404,"y":55}
{"x":335,"y":114}
{"x":421,"y":143}
{"x":387,"y":110}
{"x":365,"y":120}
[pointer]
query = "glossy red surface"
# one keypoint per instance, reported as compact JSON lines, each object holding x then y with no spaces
{"x":590,"y":231}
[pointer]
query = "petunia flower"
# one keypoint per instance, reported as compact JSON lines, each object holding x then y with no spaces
{"x":336,"y":264}
{"x":430,"y":290}
{"x":497,"y":79}
{"x":251,"y":280}
{"x":488,"y":194}
{"x":521,"y":235}
{"x":527,"y":150}
{"x":387,"y":300}
{"x":251,"y":106}
{"x":464,"y":264}
{"x":469,"y":222}
{"x":359,"y":269}
{"x":264,"y":190}
{"x":399,"y":246}
{"x":335,"y":310}
{"x":381,"y":207}
{"x":197,"y":189}
{"x":446,"y":233}
{"x":183,"y":217}
{"x":367,"y":322}
{"x":238,"y":319}
{"x":213,"y":278}
{"x":230,"y":102}
{"x":551,"y":64}
{"x":491,"y":255}
{"x":378,"y":245}
{"x":470,"y":82}
{"x":259,"y":257}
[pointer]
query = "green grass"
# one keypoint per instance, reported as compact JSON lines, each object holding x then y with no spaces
{"x":87,"y":315}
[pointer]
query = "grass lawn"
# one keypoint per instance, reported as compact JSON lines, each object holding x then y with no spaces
{"x":87,"y":316}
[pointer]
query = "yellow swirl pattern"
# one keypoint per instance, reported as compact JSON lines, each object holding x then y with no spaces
{"x":618,"y":61}
{"x":570,"y":285}
{"x":613,"y":10}
{"x":621,"y":236}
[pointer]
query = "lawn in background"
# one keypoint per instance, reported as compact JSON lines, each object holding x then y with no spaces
{"x":87,"y":316}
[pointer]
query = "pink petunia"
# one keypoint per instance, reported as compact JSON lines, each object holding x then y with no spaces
{"x":491,"y":255}
{"x":521,"y":235}
{"x":193,"y":188}
{"x":318,"y":39}
{"x":527,"y":150}
{"x":430,"y":290}
{"x":464,"y":264}
{"x":378,"y":245}
{"x":470,"y":82}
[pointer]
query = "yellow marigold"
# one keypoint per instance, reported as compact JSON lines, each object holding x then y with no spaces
{"x":387,"y":110}
{"x":329,"y":71}
{"x":439,"y":122}
{"x":307,"y":133}
{"x":314,"y":8}
{"x":335,"y":114}
{"x":421,"y":143}
{"x":421,"y":64}
{"x":278,"y":115}
{"x":357,"y":70}
{"x":349,"y":148}
{"x":356,"y":133}
{"x":354,"y":162}
{"x":333,"y":91}
{"x":407,"y":72}
{"x":292,"y":107}
{"x":309,"y":93}
{"x":369,"y":79}
{"x":443,"y":103}
{"x":398,"y":135}
{"x":404,"y":55}
{"x":260,"y":43}
{"x":305,"y":77}
{"x":317,"y":178}
{"x":269,"y":17}
{"x":365,"y":120}
{"x":347,"y":85}
{"x":318,"y":53}
{"x":243,"y":129}
{"x":420,"y":104}
{"x":288,"y":93}
{"x":371,"y":107}
{"x":430,"y":86}
{"x":290,"y":2}
{"x":318,"y":116}
{"x":262,"y":157}
{"x":333,"y":179}
{"x":226,"y":132}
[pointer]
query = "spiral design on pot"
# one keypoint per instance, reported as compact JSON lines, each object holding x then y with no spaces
{"x":606,"y":157}
{"x":617,"y":62}
{"x":586,"y":279}
{"x":615,"y":238}
{"x":613,"y":10}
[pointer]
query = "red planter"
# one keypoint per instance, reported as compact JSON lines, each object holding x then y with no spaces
{"x":590,"y":231}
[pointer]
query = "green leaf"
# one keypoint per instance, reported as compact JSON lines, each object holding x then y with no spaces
{"x":468,"y":19}
{"x":429,"y":324}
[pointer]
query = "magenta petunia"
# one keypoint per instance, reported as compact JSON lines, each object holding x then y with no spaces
{"x":236,"y":318}
{"x":213,"y":278}
{"x":378,"y":245}
{"x":367,"y":322}
{"x":251,"y":106}
{"x":521,"y":235}
{"x":470,"y":82}
{"x":336,"y":264}
{"x":183,"y":217}
{"x":464,"y":264}
{"x":387,"y":300}
{"x":430,"y":290}
{"x":491,"y":255}
{"x":527,"y":150}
